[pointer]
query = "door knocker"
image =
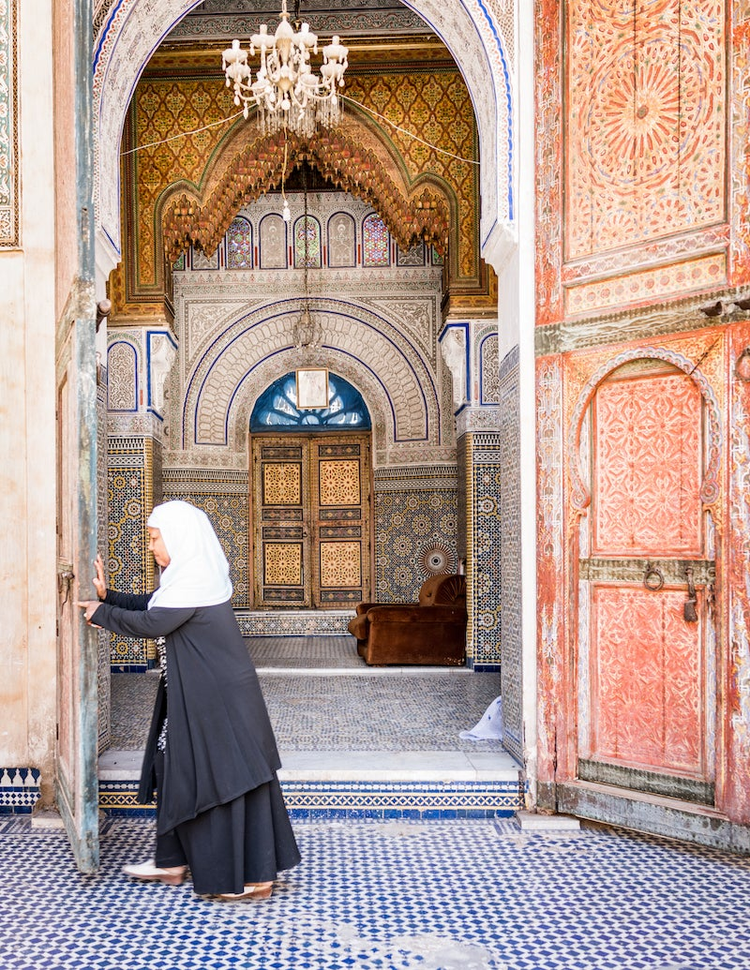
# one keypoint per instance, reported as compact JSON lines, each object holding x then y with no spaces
{"x":654,"y":578}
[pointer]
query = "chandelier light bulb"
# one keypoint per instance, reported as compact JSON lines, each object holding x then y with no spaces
{"x":286,"y":91}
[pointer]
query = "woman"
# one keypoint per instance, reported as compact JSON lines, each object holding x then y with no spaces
{"x":211,"y":754}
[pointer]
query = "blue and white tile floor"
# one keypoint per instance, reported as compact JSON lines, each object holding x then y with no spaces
{"x":460,"y":895}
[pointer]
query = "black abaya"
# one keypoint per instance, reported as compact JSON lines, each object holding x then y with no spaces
{"x":219,"y":801}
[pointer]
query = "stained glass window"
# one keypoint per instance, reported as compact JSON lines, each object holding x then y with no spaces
{"x":311,"y":229}
{"x":240,"y":244}
{"x":375,"y":242}
{"x":277,"y":407}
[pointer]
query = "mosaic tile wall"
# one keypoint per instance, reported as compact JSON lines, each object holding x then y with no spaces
{"x":510,"y":554}
{"x":416,"y":522}
{"x":134,"y":464}
{"x":482,"y":469}
{"x":19,"y":790}
{"x":223,"y":496}
{"x":103,"y":666}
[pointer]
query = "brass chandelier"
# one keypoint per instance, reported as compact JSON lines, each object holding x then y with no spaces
{"x":286,"y":91}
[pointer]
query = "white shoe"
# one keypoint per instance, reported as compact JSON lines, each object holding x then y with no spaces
{"x":149,"y":872}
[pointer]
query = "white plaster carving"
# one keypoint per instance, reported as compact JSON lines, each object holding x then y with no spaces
{"x":162,"y":355}
{"x":453,"y":348}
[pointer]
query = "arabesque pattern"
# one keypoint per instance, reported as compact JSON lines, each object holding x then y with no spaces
{"x":646,"y":115}
{"x":340,"y":564}
{"x":648,"y":466}
{"x":339,"y":483}
{"x":646,"y":702}
{"x":282,"y":563}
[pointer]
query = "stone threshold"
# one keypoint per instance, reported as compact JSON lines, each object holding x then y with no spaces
{"x":388,"y":766}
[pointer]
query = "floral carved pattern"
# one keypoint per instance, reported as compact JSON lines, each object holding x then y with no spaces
{"x":645,"y":122}
{"x":580,"y":495}
{"x":646,"y":699}
{"x":647,"y":466}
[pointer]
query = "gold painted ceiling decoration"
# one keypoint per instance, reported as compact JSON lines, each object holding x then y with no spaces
{"x":258,"y":169}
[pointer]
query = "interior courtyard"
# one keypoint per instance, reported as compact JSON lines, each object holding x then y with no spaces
{"x":479,"y":330}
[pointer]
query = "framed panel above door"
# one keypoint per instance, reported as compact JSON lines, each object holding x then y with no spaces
{"x":311,"y":520}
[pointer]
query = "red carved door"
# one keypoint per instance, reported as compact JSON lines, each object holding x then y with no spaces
{"x":646,"y":666}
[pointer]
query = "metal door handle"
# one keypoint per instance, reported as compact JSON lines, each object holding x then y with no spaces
{"x":654,"y":578}
{"x":689,"y":611}
{"x":64,"y":582}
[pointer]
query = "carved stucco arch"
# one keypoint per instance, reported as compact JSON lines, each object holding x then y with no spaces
{"x":579,"y":493}
{"x":397,"y":382}
{"x":249,"y":164}
{"x":480,"y":37}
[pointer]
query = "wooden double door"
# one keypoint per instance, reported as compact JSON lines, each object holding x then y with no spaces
{"x":311,"y":520}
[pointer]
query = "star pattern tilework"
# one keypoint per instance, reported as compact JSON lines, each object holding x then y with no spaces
{"x":461,"y":895}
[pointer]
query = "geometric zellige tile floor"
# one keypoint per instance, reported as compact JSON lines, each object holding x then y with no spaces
{"x":438,"y":895}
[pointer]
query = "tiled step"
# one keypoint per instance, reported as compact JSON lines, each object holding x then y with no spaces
{"x":360,"y":784}
{"x":294,"y":623}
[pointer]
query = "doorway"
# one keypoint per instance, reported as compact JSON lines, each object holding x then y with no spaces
{"x":646,"y":671}
{"x":310,"y":520}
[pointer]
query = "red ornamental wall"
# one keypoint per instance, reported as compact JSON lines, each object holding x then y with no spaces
{"x":642,"y":162}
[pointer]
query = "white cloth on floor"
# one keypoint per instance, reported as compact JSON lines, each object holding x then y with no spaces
{"x":490,"y":727}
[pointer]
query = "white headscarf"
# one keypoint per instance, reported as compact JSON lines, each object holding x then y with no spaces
{"x":198,"y":571}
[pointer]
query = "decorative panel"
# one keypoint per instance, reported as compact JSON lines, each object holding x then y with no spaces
{"x":340,"y":564}
{"x":502,"y":454}
{"x":646,"y":701}
{"x":675,"y":279}
{"x":342,"y":249}
{"x":282,"y":483}
{"x":222,"y":495}
{"x":122,"y":368}
{"x":415,"y":529}
{"x":273,"y":252}
{"x":648,"y":467}
{"x":340,"y":483}
{"x":129,"y":566}
{"x":283,"y":563}
{"x":646,"y":121}
{"x":488,"y":470}
{"x":9,"y":161}
{"x":307,"y":248}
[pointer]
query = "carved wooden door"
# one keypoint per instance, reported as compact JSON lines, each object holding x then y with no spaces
{"x":646,"y":664}
{"x":311,"y":520}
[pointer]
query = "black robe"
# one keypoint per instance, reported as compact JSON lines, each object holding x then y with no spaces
{"x":220,"y":740}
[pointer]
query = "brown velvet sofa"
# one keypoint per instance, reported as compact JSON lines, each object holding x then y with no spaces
{"x":432,"y":631}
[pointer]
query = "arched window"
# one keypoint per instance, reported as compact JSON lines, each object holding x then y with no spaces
{"x":240,"y":244}
{"x":273,"y":253}
{"x":307,"y":242}
{"x":375,"y":242}
{"x":342,"y":250}
{"x":277,"y":408}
